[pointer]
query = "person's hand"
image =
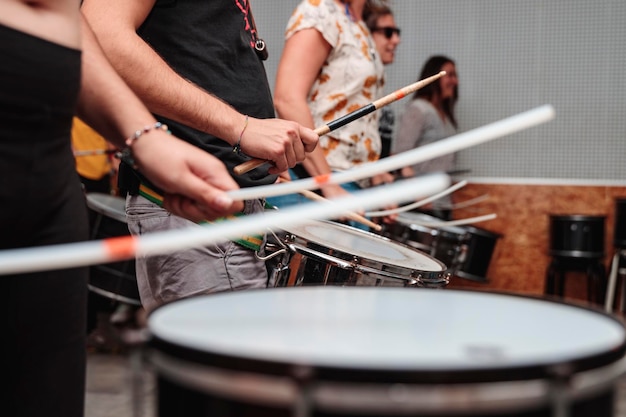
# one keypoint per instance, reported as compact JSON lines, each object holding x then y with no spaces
{"x":283,"y":142}
{"x":194,"y":181}
{"x":384,"y":178}
{"x":283,"y":177}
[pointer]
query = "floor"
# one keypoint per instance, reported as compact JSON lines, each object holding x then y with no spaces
{"x":119,"y":381}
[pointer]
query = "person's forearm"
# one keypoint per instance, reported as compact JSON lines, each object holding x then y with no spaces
{"x":103,"y":92}
{"x":297,"y":109}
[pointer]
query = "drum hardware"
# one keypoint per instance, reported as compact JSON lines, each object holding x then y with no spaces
{"x":278,"y":271}
{"x":617,"y":271}
{"x":289,"y":392}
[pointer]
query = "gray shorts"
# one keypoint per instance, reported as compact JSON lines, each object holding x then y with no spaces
{"x":226,"y":266}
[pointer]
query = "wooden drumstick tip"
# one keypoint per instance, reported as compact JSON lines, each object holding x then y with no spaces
{"x":248,"y":166}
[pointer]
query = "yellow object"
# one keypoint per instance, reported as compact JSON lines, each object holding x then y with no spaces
{"x":84,"y":138}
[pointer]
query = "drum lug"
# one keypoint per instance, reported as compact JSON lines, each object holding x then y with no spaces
{"x":428,"y":282}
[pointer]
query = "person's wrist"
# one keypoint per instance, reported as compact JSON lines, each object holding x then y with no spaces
{"x":237,"y":146}
{"x":127,"y":153}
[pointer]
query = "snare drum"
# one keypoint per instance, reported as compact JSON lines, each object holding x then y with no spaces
{"x":371,"y":351}
{"x":447,"y":244}
{"x":115,"y":280}
{"x":328,"y":253}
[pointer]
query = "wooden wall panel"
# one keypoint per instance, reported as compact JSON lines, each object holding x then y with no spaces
{"x":521,"y":256}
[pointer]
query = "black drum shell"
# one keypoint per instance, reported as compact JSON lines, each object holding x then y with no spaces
{"x":577,"y":236}
{"x":480,"y":249}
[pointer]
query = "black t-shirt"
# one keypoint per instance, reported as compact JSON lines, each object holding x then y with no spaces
{"x":210,"y":43}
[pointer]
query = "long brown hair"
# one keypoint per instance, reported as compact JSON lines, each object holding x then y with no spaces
{"x":431,"y":67}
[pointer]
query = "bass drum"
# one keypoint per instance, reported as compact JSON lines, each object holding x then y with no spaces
{"x":372,"y":351}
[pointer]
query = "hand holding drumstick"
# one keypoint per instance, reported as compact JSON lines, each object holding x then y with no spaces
{"x":350,"y":117}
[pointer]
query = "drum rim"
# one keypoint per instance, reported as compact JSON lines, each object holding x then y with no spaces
{"x":472,"y":277}
{"x":483,"y":232}
{"x":413,"y":376}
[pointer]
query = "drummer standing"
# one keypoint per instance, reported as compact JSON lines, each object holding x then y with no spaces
{"x":330,"y":67}
{"x":429,"y":117}
{"x":207,"y":82}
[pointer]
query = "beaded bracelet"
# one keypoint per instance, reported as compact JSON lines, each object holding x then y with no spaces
{"x":127,"y":153}
{"x":237,"y":147}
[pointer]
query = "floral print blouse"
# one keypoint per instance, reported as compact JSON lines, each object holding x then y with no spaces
{"x":351,"y":78}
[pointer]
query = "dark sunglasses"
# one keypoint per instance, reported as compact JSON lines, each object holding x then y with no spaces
{"x":388,"y":31}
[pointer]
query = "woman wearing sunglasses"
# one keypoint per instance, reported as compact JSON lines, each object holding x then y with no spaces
{"x":386,"y":35}
{"x":329,"y":68}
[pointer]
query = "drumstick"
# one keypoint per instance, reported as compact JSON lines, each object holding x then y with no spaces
{"x":510,"y":125}
{"x":466,"y":203}
{"x":352,"y":215}
{"x":417,"y":203}
{"x":352,"y":116}
{"x":459,"y":222}
{"x":110,"y":250}
{"x":95,"y":252}
{"x":95,"y":152}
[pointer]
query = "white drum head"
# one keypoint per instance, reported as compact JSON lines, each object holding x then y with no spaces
{"x":366,"y":245}
{"x":412,"y":332}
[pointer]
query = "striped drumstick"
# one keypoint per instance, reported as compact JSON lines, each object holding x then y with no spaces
{"x":352,"y":116}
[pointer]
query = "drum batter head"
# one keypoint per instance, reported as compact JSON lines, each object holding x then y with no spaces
{"x":415,"y":333}
{"x":349,"y":243}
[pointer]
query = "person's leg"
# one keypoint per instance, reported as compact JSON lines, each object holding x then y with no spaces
{"x":224,"y":266}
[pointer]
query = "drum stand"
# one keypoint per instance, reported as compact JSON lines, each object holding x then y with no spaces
{"x":617,"y":275}
{"x":555,"y":276}
{"x":617,"y":278}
